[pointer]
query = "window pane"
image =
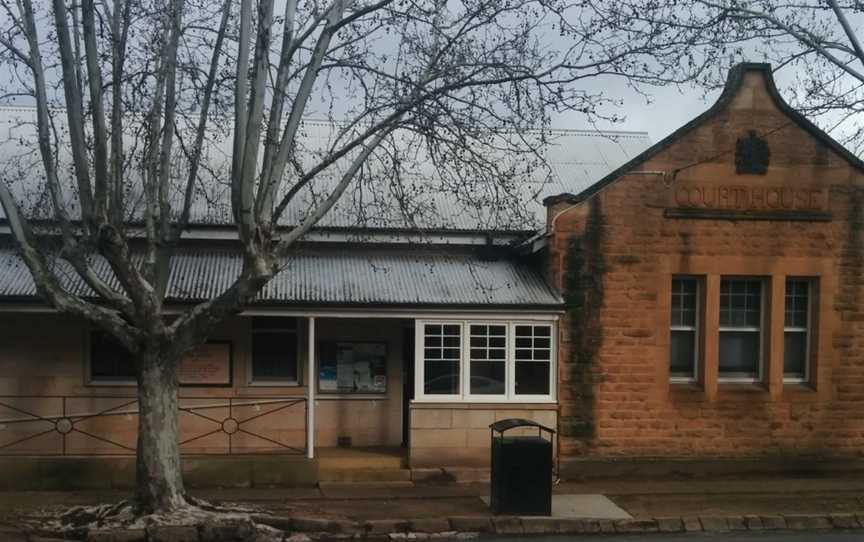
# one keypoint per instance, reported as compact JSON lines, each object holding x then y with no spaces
{"x":797,"y":302}
{"x":682,"y":353}
{"x":442,"y":377}
{"x":532,"y":378}
{"x":740,"y":302}
{"x":487,"y":363}
{"x":274,"y":356}
{"x":739,"y":353}
{"x":684,"y":302}
{"x":487,"y":377}
{"x":442,"y":365}
{"x":794,"y":354}
{"x":109,"y":360}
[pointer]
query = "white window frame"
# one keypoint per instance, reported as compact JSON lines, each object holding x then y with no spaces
{"x":553,"y":356}
{"x":696,"y":329}
{"x":466,"y":381}
{"x":250,"y":365}
{"x":420,"y":356}
{"x":465,"y":359}
{"x":795,"y":329}
{"x":757,"y":329}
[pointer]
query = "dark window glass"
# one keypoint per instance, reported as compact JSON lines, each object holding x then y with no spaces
{"x":488,"y":363}
{"x":739,"y":354}
{"x":684,"y":292}
{"x":740,"y":302}
{"x":274,"y":349}
{"x":682,"y":354}
{"x":109,"y":361}
{"x":274,"y":356}
{"x":794,"y":354}
{"x":797,"y":303}
{"x":441,"y":364}
{"x":796,"y":328}
{"x":441,"y":377}
{"x":532,"y":378}
{"x":533,"y":359}
{"x":683,"y":332}
{"x":740,"y":327}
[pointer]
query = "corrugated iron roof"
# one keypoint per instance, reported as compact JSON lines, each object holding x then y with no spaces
{"x":575,"y":159}
{"x":407,"y":277}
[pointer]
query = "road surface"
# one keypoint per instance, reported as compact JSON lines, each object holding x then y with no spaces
{"x":824,"y":536}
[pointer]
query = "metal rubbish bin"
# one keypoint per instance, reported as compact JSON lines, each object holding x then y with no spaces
{"x":521,"y":470}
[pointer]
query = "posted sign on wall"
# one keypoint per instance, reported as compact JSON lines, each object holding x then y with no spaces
{"x":207,"y":365}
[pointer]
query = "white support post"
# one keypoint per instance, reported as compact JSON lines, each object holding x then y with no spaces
{"x":311,"y":381}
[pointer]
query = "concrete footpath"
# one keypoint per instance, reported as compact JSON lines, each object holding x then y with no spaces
{"x":406,"y":510}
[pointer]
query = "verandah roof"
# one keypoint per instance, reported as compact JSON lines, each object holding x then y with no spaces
{"x":333,"y":277}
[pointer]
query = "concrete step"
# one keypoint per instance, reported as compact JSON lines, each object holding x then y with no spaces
{"x":361,"y":458}
{"x":363,"y":475}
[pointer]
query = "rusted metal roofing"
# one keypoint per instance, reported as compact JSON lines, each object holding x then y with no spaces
{"x":332,"y":277}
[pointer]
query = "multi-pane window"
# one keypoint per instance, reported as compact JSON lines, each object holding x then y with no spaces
{"x":796,"y":330}
{"x":533,"y":359}
{"x":488,"y":359}
{"x":684,"y":329}
{"x":442,"y":354}
{"x":485,"y":361}
{"x":274,"y":350}
{"x":109,"y":361}
{"x":740,"y":349}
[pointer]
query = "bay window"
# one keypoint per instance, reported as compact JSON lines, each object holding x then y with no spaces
{"x":485,"y":361}
{"x":740,"y":349}
{"x":796,"y":330}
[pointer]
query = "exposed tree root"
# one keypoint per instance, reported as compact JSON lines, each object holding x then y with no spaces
{"x":78,"y":520}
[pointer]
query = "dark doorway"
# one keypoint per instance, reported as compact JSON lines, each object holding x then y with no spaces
{"x":407,"y":381}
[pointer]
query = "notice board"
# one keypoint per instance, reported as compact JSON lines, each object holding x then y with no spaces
{"x":207,"y":365}
{"x":352,"y":367}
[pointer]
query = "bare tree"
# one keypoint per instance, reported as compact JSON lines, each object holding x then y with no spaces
{"x":137,"y":101}
{"x":816,"y":43}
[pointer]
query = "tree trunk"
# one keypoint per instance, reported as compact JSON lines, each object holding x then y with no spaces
{"x":159,"y":477}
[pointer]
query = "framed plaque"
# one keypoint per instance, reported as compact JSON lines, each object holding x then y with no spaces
{"x":210,"y":364}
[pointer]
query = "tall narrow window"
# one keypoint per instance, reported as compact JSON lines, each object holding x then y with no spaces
{"x":488,"y":359}
{"x":442,"y":354}
{"x":684,"y":329}
{"x":274,"y":350}
{"x":740,"y":349}
{"x":533,"y":359}
{"x":796,"y":330}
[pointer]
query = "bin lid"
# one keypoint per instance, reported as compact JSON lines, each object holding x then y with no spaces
{"x":503,"y":425}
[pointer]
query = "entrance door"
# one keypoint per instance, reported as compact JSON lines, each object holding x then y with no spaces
{"x":407,"y":381}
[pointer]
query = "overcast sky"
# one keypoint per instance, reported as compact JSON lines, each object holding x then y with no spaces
{"x":670,"y":107}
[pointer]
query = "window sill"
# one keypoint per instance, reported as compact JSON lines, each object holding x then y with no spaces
{"x":534,"y":405}
{"x":110,"y":384}
{"x":273,"y":384}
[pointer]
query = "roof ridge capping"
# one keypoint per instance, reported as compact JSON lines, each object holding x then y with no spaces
{"x":734,"y":80}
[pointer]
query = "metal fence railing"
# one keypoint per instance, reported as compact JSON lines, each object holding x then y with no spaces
{"x":107,"y":425}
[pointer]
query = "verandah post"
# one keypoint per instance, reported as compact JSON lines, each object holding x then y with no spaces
{"x":310,"y":393}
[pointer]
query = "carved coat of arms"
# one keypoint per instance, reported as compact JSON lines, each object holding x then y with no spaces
{"x":752,"y":154}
